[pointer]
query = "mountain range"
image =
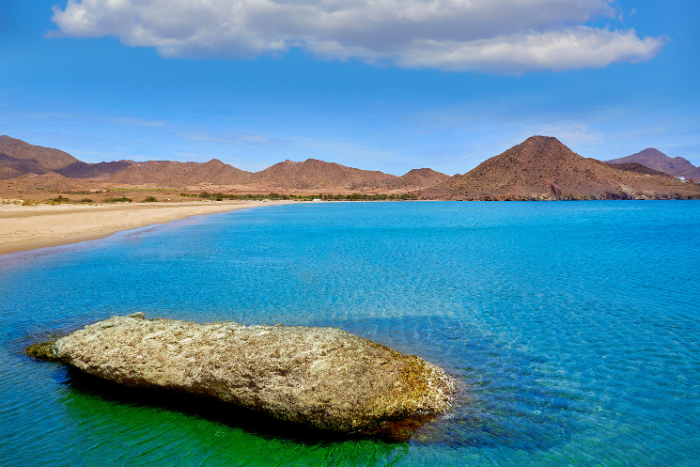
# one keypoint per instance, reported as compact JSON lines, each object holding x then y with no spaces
{"x":657,"y":160}
{"x":543,"y":168}
{"x":539,"y":168}
{"x":18,"y":158}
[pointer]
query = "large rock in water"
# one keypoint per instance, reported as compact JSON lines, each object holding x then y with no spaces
{"x":322,"y":377}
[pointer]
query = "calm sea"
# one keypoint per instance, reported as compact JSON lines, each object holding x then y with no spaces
{"x":574,"y":326}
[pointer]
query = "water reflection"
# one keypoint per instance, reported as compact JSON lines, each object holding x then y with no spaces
{"x":109,"y":415}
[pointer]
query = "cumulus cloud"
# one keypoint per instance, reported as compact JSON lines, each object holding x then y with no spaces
{"x":505,"y":36}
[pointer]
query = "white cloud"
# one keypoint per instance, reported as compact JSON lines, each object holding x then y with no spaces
{"x":504,"y":36}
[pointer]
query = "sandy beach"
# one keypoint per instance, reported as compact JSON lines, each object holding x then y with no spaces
{"x":25,"y":228}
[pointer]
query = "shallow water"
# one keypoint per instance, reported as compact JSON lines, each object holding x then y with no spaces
{"x":575,"y":328}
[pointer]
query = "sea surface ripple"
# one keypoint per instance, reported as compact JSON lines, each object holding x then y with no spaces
{"x":573,"y":327}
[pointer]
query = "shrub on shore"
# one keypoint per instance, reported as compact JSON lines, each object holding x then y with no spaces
{"x":150,"y":199}
{"x":123,"y":199}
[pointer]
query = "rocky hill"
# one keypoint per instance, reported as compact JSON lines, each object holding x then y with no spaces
{"x":313,"y":173}
{"x":657,"y":160}
{"x":11,"y":167}
{"x":180,"y":173}
{"x":636,"y":167}
{"x":99,"y":171}
{"x":544,"y":168}
{"x":48,"y":159}
{"x":419,"y":178}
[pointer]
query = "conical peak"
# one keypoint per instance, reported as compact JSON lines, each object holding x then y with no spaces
{"x":542,"y":138}
{"x":541,"y":147}
{"x":542,"y":141}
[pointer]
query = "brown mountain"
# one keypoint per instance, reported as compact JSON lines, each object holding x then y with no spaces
{"x":657,"y":160}
{"x":544,"y":168}
{"x":7,"y":173}
{"x":313,"y":173}
{"x":99,"y":171}
{"x":50,"y":181}
{"x":540,"y":168}
{"x":419,"y":178}
{"x":50,"y":159}
{"x":20,"y":166}
{"x":26,"y":158}
{"x":23,"y":158}
{"x":182,"y":173}
{"x":636,"y":167}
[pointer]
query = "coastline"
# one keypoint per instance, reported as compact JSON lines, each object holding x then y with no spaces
{"x":24,"y":228}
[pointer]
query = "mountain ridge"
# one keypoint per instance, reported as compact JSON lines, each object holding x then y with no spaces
{"x":308,"y":174}
{"x":540,"y":167}
{"x":657,"y":160}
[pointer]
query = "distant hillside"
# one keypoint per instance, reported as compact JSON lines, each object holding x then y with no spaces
{"x":419,"y":178}
{"x":99,"y":171}
{"x":7,"y":173}
{"x":16,"y":166}
{"x":657,"y":160}
{"x":636,"y":167}
{"x":20,"y":158}
{"x":313,"y":173}
{"x":181,"y":173}
{"x":543,"y":168}
{"x":47,"y":158}
{"x":49,"y":181}
{"x":539,"y":168}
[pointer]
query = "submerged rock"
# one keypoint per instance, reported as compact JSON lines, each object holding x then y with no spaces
{"x":321,"y":377}
{"x":41,"y":350}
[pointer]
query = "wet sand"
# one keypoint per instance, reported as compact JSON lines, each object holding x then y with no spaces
{"x":24,"y":228}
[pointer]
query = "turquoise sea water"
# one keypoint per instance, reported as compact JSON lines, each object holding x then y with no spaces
{"x":574,"y":327}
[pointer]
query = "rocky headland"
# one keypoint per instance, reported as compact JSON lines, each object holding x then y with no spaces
{"x":325,"y":378}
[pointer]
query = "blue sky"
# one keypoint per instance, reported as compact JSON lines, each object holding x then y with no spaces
{"x":385,"y":85}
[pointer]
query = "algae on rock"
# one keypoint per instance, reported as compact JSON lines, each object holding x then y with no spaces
{"x":41,"y":350}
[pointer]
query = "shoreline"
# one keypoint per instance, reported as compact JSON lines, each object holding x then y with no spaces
{"x":25,"y":228}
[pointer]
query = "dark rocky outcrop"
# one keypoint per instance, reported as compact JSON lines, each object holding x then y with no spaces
{"x":321,"y":377}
